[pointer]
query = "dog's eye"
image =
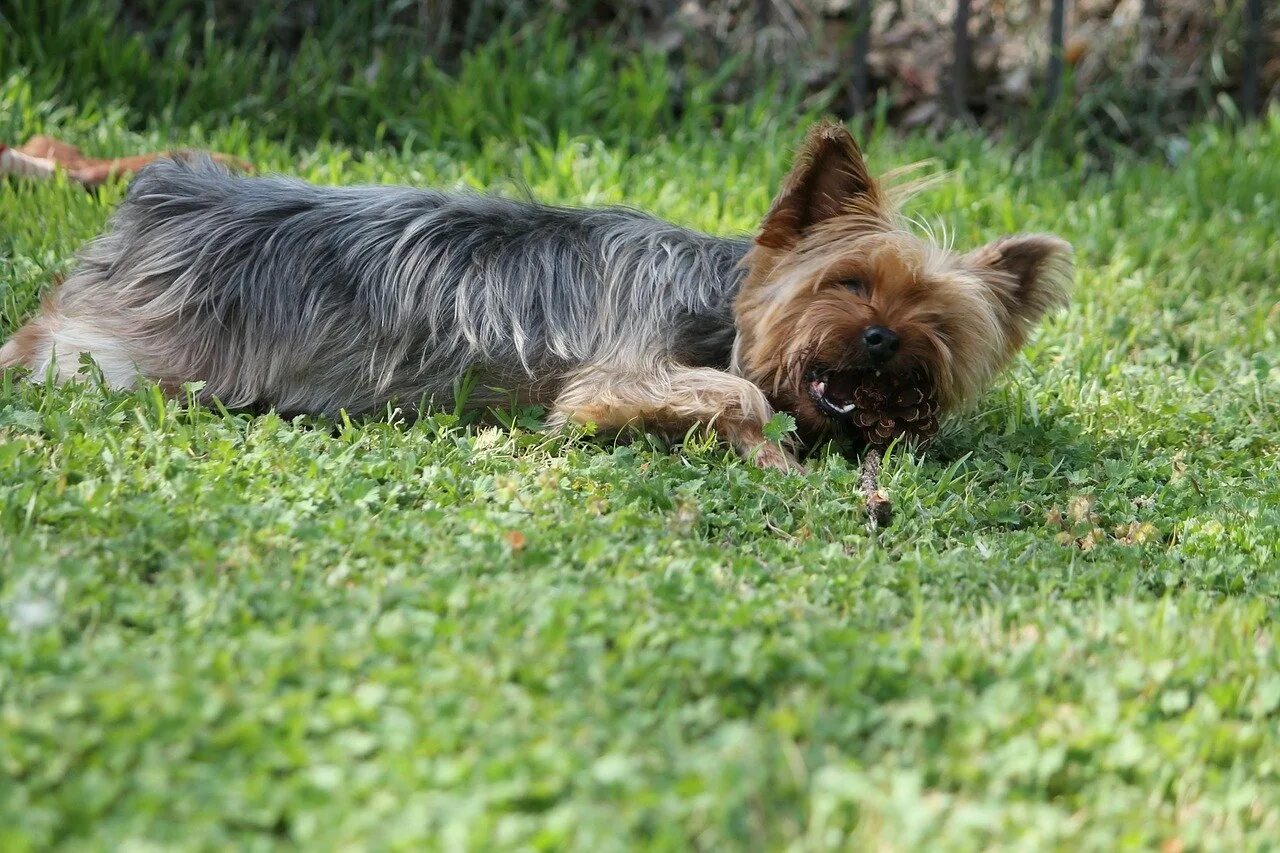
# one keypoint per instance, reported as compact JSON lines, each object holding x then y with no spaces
{"x":854,"y":285}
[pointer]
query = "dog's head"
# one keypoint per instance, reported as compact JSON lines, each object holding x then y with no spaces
{"x":839,"y":288}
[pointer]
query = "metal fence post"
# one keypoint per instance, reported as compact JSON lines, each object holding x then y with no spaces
{"x":960,"y":61}
{"x":861,"y":48}
{"x":1252,"y":59}
{"x":1057,"y":28}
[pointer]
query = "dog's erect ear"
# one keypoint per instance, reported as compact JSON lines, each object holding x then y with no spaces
{"x":1030,"y":273}
{"x":829,"y":178}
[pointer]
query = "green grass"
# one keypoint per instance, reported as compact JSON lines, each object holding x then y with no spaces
{"x":223,"y":630}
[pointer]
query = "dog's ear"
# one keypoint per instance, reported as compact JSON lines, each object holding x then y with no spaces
{"x":1029,"y":273}
{"x":829,"y":178}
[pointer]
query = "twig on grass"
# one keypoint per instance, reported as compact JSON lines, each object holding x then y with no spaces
{"x":44,"y":156}
{"x":879,"y":508}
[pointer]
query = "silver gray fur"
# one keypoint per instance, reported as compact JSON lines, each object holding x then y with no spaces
{"x":278,"y":293}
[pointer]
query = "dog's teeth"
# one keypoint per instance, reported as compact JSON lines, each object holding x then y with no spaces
{"x":846,"y":408}
{"x":820,"y":388}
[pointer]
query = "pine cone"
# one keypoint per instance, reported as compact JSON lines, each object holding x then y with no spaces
{"x":888,"y":407}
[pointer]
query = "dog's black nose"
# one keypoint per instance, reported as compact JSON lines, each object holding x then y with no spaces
{"x":881,"y":343}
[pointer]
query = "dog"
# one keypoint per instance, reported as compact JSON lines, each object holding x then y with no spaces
{"x":278,"y":294}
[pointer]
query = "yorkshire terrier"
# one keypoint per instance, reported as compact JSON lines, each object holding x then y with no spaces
{"x":278,"y":294}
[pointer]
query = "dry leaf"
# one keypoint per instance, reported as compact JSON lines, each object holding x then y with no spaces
{"x":1095,"y":537}
{"x":1134,"y":533}
{"x":1078,"y":509}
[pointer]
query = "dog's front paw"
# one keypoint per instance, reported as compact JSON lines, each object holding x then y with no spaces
{"x":770,"y":456}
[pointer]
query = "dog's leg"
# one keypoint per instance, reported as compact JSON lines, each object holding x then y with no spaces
{"x":25,"y":345}
{"x":51,"y":337}
{"x":671,"y":399}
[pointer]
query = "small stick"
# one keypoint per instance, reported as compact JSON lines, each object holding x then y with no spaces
{"x":43,"y":156}
{"x":879,"y":509}
{"x":17,"y":163}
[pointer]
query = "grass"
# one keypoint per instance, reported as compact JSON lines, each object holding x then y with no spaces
{"x":223,"y":630}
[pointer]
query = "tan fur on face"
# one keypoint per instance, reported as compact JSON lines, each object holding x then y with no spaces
{"x":959,"y":318}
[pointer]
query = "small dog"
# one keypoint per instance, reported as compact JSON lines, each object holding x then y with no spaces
{"x":279,"y":294}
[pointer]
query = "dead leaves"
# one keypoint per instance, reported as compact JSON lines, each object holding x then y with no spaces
{"x":1081,"y":527}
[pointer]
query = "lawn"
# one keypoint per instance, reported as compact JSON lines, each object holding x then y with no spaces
{"x":218,"y":629}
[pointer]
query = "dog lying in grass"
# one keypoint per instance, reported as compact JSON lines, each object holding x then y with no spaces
{"x":278,"y":294}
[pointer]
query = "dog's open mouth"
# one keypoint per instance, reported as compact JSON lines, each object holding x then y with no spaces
{"x":843,"y":393}
{"x":833,"y":391}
